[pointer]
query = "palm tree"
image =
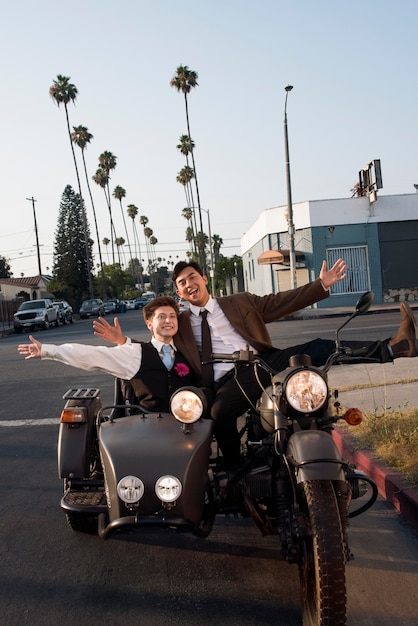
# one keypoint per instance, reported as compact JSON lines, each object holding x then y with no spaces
{"x":119,"y":193}
{"x":217,"y":242}
{"x":120,"y":242}
{"x":143,"y":220}
{"x":106,"y":242}
{"x":102,"y":179}
{"x":63,"y":92}
{"x":148,"y":233}
{"x":107,"y":163}
{"x":81,"y":137}
{"x":132,"y":211}
{"x":184,"y":80}
{"x":190,"y":232}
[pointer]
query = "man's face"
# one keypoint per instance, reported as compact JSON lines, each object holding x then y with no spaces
{"x":164,"y":323}
{"x":192,"y":287}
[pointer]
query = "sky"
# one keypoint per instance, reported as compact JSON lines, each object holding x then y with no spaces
{"x":353,"y":68}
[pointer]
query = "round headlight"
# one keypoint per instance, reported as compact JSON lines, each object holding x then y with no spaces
{"x":187,"y":405}
{"x":130,"y":489}
{"x":168,"y":488}
{"x":306,"y":391}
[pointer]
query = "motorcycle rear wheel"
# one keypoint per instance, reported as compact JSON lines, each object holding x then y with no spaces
{"x":322,"y":557}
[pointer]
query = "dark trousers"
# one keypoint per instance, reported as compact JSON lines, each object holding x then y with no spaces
{"x":230,"y":402}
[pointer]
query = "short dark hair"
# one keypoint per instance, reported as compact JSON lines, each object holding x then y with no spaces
{"x":181,"y":265}
{"x":154,"y":304}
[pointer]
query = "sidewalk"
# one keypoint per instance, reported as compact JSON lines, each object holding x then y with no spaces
{"x":392,"y":385}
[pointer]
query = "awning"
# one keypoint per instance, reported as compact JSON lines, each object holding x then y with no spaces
{"x":280,"y":257}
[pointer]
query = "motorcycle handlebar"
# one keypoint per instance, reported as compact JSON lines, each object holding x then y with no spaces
{"x":238,"y":355}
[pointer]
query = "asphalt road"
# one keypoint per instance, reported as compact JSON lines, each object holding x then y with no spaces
{"x":50,"y":575}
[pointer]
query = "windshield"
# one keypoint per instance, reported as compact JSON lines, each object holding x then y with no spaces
{"x":32,"y":304}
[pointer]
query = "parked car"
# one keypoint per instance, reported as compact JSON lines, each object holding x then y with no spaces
{"x":141,"y":302}
{"x":65,"y":311}
{"x":35,"y":313}
{"x":110,"y":307}
{"x":92,"y":308}
{"x":130,"y":305}
{"x":116,"y":302}
{"x":183,"y":305}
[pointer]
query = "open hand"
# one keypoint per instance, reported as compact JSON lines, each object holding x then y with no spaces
{"x":334,"y":275}
{"x":30,"y":350}
{"x":112,"y":334}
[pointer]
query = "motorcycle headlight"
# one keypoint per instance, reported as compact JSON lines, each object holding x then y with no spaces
{"x":306,"y":391}
{"x":168,"y":488}
{"x":188,"y":404}
{"x":130,"y":489}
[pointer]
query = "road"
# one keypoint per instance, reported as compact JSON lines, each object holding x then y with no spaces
{"x":50,"y":575}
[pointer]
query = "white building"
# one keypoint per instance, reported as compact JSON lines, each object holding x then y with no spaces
{"x":379,"y":242}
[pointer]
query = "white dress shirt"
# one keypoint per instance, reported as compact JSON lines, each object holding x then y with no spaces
{"x":121,"y":361}
{"x":224,"y":337}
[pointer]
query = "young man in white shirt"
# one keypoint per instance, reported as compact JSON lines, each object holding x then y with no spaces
{"x":153,"y":376}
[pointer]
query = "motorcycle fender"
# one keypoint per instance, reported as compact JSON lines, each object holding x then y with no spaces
{"x":314,"y":456}
{"x":150,"y":447}
{"x":75,"y":441}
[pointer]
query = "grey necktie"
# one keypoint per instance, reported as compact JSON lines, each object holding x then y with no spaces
{"x":167,"y":358}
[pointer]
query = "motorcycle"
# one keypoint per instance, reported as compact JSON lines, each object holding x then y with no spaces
{"x":125,"y":468}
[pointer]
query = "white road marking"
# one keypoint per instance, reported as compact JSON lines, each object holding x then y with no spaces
{"x":33,"y":422}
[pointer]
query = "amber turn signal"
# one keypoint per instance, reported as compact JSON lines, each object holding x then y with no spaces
{"x":354,"y":417}
{"x":73,"y":416}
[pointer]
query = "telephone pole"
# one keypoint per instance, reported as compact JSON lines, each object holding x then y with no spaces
{"x":36,"y":234}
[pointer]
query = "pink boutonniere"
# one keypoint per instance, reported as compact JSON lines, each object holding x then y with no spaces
{"x":181,"y":369}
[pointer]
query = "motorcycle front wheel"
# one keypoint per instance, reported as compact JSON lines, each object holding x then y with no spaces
{"x":321,"y":559}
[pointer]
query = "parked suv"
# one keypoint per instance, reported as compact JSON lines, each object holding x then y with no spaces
{"x":33,"y":313}
{"x":65,"y":311}
{"x":92,"y":308}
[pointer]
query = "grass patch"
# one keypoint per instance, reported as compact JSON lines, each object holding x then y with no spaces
{"x":393,"y":437}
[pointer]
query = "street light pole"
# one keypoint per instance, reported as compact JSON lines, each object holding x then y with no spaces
{"x":36,"y":234}
{"x":212,"y":265}
{"x":290,"y":224}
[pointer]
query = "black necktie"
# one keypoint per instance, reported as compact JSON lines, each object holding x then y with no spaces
{"x":207,"y":369}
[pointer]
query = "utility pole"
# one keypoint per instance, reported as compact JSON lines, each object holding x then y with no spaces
{"x":36,"y":234}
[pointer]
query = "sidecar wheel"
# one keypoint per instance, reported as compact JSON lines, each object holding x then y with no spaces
{"x":82,"y":523}
{"x":322,"y":557}
{"x":209,"y":513}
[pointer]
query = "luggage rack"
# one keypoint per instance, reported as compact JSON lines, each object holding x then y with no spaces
{"x":83,"y":393}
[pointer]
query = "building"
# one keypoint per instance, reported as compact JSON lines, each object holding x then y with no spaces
{"x":378,"y":240}
{"x":26,"y":288}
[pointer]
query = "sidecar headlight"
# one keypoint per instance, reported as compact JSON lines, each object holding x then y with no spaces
{"x":306,"y":391}
{"x":188,"y":404}
{"x":130,"y":489}
{"x":168,"y":488}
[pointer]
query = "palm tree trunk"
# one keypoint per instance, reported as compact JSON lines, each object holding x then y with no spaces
{"x":83,"y":212}
{"x":202,"y":254}
{"x":97,"y":230}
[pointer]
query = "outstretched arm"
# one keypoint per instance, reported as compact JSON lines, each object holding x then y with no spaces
{"x":334,"y":275}
{"x":30,"y":350}
{"x":112,"y":334}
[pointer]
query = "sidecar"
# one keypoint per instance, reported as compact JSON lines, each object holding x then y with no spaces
{"x":127,"y":468}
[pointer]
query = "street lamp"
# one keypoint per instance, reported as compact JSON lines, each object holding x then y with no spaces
{"x":291,"y":227}
{"x":212,"y":266}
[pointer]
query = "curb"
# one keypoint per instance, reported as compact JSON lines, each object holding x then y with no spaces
{"x":391,"y":484}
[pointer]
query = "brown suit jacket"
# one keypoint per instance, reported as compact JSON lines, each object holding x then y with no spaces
{"x":249,"y":315}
